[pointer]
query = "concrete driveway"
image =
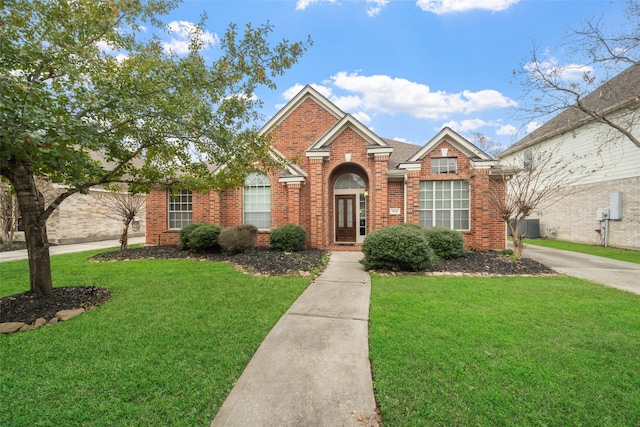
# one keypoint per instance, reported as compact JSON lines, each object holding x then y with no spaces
{"x":617,"y":274}
{"x":73,"y":247}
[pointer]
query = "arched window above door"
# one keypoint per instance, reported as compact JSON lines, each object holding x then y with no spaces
{"x":349,"y":181}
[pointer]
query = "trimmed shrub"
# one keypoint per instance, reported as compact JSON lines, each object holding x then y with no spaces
{"x":185,"y":234}
{"x":397,"y":248}
{"x":205,"y":238}
{"x":288,"y":238}
{"x":238,"y":239}
{"x":445,"y":242}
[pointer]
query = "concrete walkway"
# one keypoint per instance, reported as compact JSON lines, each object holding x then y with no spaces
{"x":618,"y":274}
{"x":74,"y":247}
{"x":313,"y":368}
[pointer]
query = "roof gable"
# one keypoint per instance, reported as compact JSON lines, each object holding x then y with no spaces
{"x":375,"y":144}
{"x":296,"y":101}
{"x":453,"y":138}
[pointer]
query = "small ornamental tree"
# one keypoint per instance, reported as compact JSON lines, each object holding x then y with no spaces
{"x":532,"y":184}
{"x":124,"y":207}
{"x":90,"y":96}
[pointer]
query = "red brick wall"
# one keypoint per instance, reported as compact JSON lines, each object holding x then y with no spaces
{"x":395,"y":196}
{"x":310,"y":204}
{"x":302,"y":128}
{"x":486,"y":227}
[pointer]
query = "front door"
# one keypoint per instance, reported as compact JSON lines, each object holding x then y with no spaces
{"x":346,"y":218}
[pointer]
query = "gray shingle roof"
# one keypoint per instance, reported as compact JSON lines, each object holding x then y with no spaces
{"x":402,"y":151}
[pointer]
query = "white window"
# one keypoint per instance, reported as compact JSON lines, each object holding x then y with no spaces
{"x":180,"y":209}
{"x":444,"y":204}
{"x":257,"y":201}
{"x":444,"y":165}
{"x":349,"y":181}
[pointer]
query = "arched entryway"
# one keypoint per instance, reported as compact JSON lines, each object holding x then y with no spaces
{"x":349,"y":206}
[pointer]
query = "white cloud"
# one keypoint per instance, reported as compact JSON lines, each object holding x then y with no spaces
{"x":507,"y":130}
{"x":303,"y":4}
{"x":108,"y":49}
{"x":362,"y":117}
{"x":531,"y":126}
{"x":466,"y":125}
{"x":376,"y":6}
{"x":384,"y":94}
{"x":452,"y":6}
{"x":552,"y":69}
{"x":346,"y":103}
{"x":296,"y":88}
{"x":182,"y":32}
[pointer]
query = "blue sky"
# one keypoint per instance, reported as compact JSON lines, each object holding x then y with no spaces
{"x":407,"y":68}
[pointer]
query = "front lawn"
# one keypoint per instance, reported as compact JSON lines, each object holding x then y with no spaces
{"x":608,"y":252}
{"x":504,"y":351}
{"x":166,"y":350}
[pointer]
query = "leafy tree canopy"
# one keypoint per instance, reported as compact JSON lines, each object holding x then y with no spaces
{"x":89,"y":96}
{"x":81,"y":81}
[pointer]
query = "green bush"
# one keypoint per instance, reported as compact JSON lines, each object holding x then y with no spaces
{"x":445,"y":242}
{"x":204,"y":238}
{"x":238,"y":239}
{"x":397,"y":248}
{"x":185,"y":234}
{"x":288,"y":238}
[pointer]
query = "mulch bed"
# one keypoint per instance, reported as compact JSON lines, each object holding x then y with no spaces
{"x":27,"y":308}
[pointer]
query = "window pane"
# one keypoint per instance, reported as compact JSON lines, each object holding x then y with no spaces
{"x":257,"y":201}
{"x":444,"y":204}
{"x":180,"y":207}
{"x":444,"y":165}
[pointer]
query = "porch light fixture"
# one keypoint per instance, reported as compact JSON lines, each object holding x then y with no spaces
{"x":366,"y":193}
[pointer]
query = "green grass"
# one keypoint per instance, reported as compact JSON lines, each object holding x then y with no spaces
{"x":608,"y":252}
{"x":166,"y":350}
{"x":460,"y":351}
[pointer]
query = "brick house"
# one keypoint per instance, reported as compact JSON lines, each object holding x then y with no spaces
{"x":342,"y":182}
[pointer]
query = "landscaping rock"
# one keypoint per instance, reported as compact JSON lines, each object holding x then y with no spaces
{"x":10,"y":327}
{"x":26,"y":328}
{"x":40,"y":321}
{"x":63,"y":315}
{"x":53,"y":321}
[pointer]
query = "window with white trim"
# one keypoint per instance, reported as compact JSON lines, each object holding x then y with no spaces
{"x":257,"y":201}
{"x":444,"y":165}
{"x":180,"y":209}
{"x":444,"y":204}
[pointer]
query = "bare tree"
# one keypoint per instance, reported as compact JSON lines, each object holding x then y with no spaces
{"x":585,"y":89}
{"x":532,"y":183}
{"x":485,"y":143}
{"x":124,"y":207}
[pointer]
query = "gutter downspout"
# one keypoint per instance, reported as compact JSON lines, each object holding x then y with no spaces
{"x":405,"y":198}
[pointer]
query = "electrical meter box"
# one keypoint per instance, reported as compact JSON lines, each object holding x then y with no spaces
{"x":615,"y":205}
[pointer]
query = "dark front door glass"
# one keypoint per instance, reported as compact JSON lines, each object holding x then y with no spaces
{"x":346,"y":218}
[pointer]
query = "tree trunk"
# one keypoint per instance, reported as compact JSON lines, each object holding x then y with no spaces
{"x":518,"y":244}
{"x":31,"y":206}
{"x":124,"y":237}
